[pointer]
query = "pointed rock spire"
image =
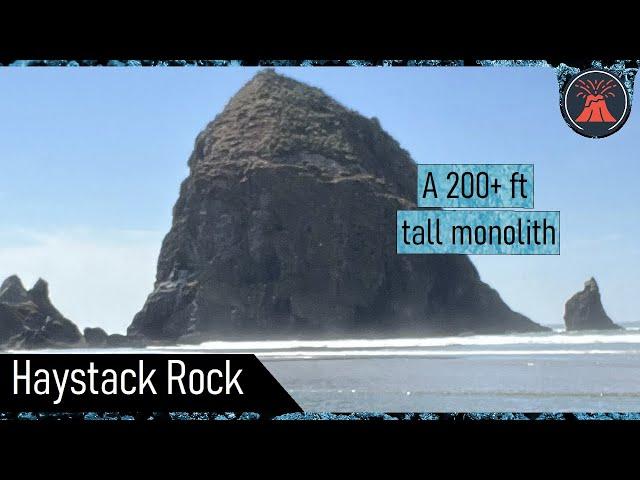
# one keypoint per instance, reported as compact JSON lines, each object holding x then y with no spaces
{"x":584,"y":310}
{"x":12,"y":291}
{"x":39,"y":294}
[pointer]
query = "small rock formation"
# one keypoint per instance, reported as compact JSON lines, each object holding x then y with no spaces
{"x":584,"y":311}
{"x":95,"y":337}
{"x":29,"y":320}
{"x":98,"y":338}
{"x":286,"y":226}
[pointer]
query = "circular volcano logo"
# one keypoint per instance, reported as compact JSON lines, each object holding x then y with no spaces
{"x":595,"y":103}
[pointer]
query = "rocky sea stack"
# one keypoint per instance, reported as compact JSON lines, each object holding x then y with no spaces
{"x":29,"y":320}
{"x":584,"y":311}
{"x":285,"y":226}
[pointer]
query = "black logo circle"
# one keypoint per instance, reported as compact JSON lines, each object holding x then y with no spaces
{"x":595,"y":103}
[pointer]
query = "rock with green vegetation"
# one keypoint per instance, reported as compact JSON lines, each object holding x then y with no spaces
{"x":286,"y":227}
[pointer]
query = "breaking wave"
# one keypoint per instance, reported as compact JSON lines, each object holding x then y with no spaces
{"x":548,"y":343}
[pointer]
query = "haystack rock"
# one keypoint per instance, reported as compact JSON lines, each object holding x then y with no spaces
{"x":584,"y":311}
{"x":28,"y":319}
{"x":286,"y":227}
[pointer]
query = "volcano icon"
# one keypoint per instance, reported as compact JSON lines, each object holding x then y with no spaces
{"x":595,"y":110}
{"x":595,"y":103}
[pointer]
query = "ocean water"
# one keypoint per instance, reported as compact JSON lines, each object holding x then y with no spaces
{"x":542,"y":372}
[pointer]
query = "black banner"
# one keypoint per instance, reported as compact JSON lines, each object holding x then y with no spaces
{"x":140,"y":383}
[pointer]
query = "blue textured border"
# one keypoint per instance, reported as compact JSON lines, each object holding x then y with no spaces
{"x":315,"y":416}
{"x":627,"y":69}
{"x":235,"y":63}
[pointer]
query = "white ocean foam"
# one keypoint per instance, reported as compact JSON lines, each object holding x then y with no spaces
{"x":378,"y":353}
{"x":602,"y":343}
{"x":435,"y":353}
{"x":628,"y":337}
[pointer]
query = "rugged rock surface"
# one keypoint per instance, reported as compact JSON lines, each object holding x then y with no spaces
{"x":11,"y":322}
{"x":95,"y":337}
{"x":285,"y":226}
{"x":584,"y":311}
{"x":28,"y":319}
{"x":12,"y":291}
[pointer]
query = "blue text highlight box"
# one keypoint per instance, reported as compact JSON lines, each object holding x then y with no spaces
{"x":478,"y":232}
{"x":476,"y":181}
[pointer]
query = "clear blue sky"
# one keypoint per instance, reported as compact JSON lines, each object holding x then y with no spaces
{"x":92,"y":159}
